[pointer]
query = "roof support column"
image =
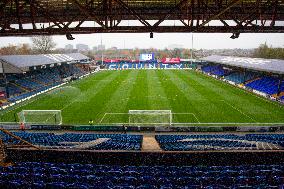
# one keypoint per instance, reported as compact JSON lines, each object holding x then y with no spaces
{"x":279,"y":86}
{"x":244,"y":77}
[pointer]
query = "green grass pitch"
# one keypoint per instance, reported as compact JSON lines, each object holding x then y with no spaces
{"x":106,"y":97}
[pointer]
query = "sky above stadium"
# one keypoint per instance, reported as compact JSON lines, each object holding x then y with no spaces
{"x":162,"y":40}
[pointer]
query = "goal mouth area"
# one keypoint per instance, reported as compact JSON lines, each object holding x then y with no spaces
{"x":186,"y":119}
{"x":147,"y":117}
{"x":40,"y":117}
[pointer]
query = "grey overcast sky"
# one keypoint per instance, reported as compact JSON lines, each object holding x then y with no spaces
{"x":162,"y":40}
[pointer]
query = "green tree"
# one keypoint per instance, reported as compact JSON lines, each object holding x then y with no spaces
{"x":263,"y":51}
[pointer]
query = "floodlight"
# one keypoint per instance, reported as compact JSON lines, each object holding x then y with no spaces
{"x":69,"y":36}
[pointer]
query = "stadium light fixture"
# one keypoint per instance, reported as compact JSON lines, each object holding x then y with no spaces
{"x":235,"y":35}
{"x":151,"y":35}
{"x":69,"y":36}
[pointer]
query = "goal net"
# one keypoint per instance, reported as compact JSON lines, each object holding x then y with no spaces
{"x":44,"y":117}
{"x":150,"y":117}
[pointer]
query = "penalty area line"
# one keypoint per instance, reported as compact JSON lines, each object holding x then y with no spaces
{"x":119,"y":113}
{"x":238,"y":110}
{"x":110,"y":114}
{"x":195,"y":117}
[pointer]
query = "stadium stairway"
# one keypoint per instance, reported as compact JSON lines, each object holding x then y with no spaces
{"x":149,"y":143}
{"x":75,"y":140}
{"x":252,"y":80}
{"x":220,"y":142}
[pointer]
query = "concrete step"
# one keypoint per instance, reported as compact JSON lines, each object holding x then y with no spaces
{"x":150,"y":144}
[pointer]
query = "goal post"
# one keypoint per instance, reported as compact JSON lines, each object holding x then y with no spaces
{"x":44,"y":117}
{"x":150,"y":117}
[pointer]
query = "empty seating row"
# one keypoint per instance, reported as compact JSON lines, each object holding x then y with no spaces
{"x":268,"y":85}
{"x":166,"y":142}
{"x":215,"y":69}
{"x":71,"y":140}
{"x":62,"y":175}
{"x":28,"y":83}
{"x":220,"y":142}
{"x":270,"y":138}
{"x":27,"y":94}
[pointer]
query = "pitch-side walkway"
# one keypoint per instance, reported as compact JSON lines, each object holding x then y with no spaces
{"x":150,"y":144}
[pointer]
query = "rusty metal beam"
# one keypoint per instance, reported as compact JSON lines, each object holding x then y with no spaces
{"x":274,"y":14}
{"x":32,"y":13}
{"x":46,"y":13}
{"x":18,"y":14}
{"x":234,"y":2}
{"x":131,"y":11}
{"x":182,"y":2}
{"x":19,"y":138}
{"x":87,"y":12}
{"x":2,"y":8}
{"x":143,"y":29}
{"x":193,"y":14}
{"x":253,"y":16}
{"x":224,"y":22}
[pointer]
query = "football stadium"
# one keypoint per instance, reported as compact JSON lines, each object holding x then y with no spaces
{"x":68,"y":120}
{"x":172,"y":94}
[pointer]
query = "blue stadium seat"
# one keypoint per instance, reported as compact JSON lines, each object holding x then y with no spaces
{"x":219,"y":142}
{"x":22,"y":86}
{"x":89,"y":176}
{"x":114,"y":142}
{"x":268,"y":85}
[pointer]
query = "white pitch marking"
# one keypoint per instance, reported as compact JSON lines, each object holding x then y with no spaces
{"x":186,"y":123}
{"x":189,"y":114}
{"x":224,"y":123}
{"x":111,"y":114}
{"x":238,"y":110}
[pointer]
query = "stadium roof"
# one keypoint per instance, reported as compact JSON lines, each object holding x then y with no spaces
{"x":17,"y":63}
{"x":23,"y":17}
{"x":258,"y":64}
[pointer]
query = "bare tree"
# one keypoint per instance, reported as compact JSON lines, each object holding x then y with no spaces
{"x":43,"y":44}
